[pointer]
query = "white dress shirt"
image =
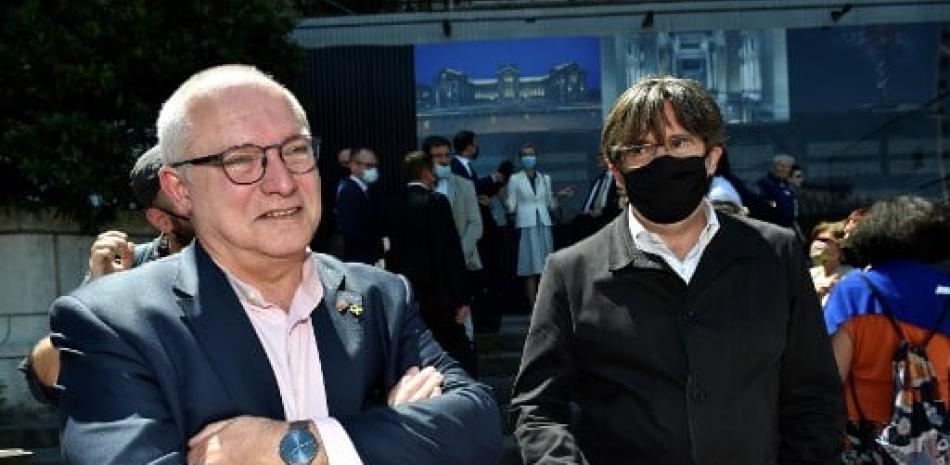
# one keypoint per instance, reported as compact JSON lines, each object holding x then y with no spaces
{"x":289,"y":342}
{"x":650,"y":242}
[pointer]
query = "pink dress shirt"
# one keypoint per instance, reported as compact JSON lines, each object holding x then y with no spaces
{"x":288,"y":340}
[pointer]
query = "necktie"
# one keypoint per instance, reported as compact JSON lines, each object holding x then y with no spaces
{"x":604,"y":189}
{"x":594,"y":194}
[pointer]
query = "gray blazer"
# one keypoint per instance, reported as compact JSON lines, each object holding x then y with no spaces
{"x":468,"y":219}
{"x":151,"y":355}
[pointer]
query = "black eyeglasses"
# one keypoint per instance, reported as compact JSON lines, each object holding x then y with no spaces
{"x":246,"y":164}
{"x":638,"y":155}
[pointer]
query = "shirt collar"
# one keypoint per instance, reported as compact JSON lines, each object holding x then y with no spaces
{"x":465,"y":161}
{"x":442,"y":187}
{"x":650,"y":242}
{"x":420,"y":184}
{"x":308,"y":295}
{"x":359,"y":182}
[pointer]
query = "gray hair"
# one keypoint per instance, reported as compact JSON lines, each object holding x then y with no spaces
{"x":174,"y":122}
{"x":783,"y":159}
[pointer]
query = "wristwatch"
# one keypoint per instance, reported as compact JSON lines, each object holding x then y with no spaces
{"x":298,"y":446}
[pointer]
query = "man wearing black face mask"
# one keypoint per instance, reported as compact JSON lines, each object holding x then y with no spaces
{"x":676,"y":335}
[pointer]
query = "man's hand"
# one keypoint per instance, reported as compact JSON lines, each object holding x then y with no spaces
{"x":461,"y":313}
{"x":416,"y":385}
{"x":484,"y":200}
{"x":45,"y":361}
{"x":243,"y":440}
{"x":110,"y":252}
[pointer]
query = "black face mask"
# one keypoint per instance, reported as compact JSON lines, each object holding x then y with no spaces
{"x":668,"y":189}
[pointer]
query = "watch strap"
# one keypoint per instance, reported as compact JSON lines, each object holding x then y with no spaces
{"x":303,"y":425}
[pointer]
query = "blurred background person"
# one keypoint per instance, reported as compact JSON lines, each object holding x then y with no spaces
{"x":426,"y":250}
{"x":531,"y":198}
{"x":498,"y":250}
{"x":357,"y":210}
{"x":854,"y":218}
{"x":776,"y":191}
{"x":465,"y":212}
{"x":898,"y":241}
{"x":724,"y":197}
{"x":796,"y":178}
{"x":601,"y":206}
{"x":756,"y":206}
{"x":487,"y":296}
{"x":112,"y":252}
{"x":825,"y":253}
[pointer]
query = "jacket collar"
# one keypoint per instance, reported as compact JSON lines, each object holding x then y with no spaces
{"x":735,"y":239}
{"x":225,"y":333}
{"x":621,"y":250}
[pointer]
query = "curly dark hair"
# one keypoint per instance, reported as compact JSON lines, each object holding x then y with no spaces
{"x":903,"y":227}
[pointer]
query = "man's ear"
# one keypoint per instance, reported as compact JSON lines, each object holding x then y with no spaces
{"x":618,"y":176}
{"x":712,"y":160}
{"x":159,"y":220}
{"x":176,"y":188}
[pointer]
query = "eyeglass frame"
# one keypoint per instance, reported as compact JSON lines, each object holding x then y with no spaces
{"x":218,"y":158}
{"x":655,"y":150}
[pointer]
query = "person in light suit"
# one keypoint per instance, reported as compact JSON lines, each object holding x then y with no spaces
{"x":531,"y":198}
{"x":462,"y":199}
{"x":246,"y":347}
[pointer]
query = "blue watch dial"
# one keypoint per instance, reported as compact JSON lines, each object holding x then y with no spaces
{"x":298,"y":447}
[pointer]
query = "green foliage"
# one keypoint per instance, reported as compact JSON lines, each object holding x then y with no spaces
{"x":82,"y":82}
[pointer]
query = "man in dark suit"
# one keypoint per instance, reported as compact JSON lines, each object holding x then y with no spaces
{"x":601,"y":206}
{"x":426,"y":249}
{"x":357,"y":211}
{"x":487,"y":283}
{"x":466,"y":152}
{"x":675,"y":334}
{"x":776,"y":191}
{"x":245,"y":347}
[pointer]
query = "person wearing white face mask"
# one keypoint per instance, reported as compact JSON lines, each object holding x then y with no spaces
{"x":530,"y":197}
{"x":362,"y":239}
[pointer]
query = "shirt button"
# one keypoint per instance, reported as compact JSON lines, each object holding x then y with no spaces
{"x":700,"y":395}
{"x":688,"y":319}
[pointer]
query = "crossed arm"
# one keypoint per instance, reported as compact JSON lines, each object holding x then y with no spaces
{"x":435,"y":416}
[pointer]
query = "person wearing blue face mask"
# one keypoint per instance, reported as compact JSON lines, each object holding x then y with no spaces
{"x":531,"y":198}
{"x":465,"y":213}
{"x":356,"y":210}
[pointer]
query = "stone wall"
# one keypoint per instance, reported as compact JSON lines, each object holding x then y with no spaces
{"x":42,"y":256}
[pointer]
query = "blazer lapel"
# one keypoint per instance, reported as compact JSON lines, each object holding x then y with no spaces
{"x":338,"y":331}
{"x":217,"y":319}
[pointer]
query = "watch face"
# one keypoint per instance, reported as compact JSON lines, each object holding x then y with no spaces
{"x":298,"y":447}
